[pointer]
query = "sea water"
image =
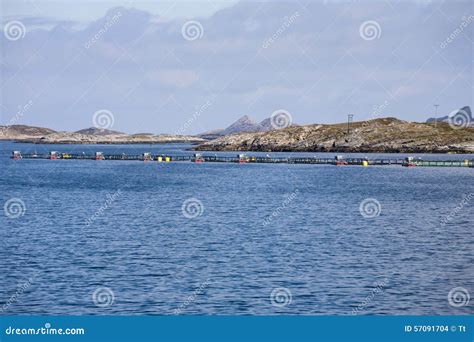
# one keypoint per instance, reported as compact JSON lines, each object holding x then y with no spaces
{"x":135,"y":238}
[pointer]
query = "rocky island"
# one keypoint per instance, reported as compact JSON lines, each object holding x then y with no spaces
{"x":385,"y":135}
{"x":38,"y":135}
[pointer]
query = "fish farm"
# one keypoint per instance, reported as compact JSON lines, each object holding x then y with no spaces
{"x":243,"y":159}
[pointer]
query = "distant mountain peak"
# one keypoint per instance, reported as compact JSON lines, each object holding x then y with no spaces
{"x":243,"y":124}
{"x":266,"y":124}
{"x":245,"y":118}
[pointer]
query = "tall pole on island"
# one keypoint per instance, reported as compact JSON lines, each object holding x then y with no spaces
{"x":349,"y":121}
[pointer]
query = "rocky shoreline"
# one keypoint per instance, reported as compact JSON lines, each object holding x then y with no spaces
{"x":111,"y":140}
{"x":37,"y":135}
{"x":387,"y":135}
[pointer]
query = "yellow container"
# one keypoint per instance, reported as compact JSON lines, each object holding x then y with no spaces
{"x":160,"y":159}
{"x":365,"y":163}
{"x":466,"y":162}
{"x":167,"y":159}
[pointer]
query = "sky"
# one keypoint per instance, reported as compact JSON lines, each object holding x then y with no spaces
{"x":85,"y":11}
{"x":191,"y":66}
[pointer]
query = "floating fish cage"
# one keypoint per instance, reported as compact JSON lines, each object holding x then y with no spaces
{"x":147,"y":156}
{"x":339,"y":160}
{"x":242,"y":158}
{"x":197,"y":158}
{"x":16,"y":155}
{"x":53,"y":155}
{"x":409,"y":162}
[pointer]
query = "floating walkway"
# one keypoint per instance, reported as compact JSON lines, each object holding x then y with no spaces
{"x":242,"y":159}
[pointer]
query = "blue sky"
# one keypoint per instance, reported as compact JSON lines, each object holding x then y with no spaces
{"x":319,"y":60}
{"x":87,"y":10}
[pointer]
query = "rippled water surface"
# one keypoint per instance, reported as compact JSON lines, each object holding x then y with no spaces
{"x":294,"y":230}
